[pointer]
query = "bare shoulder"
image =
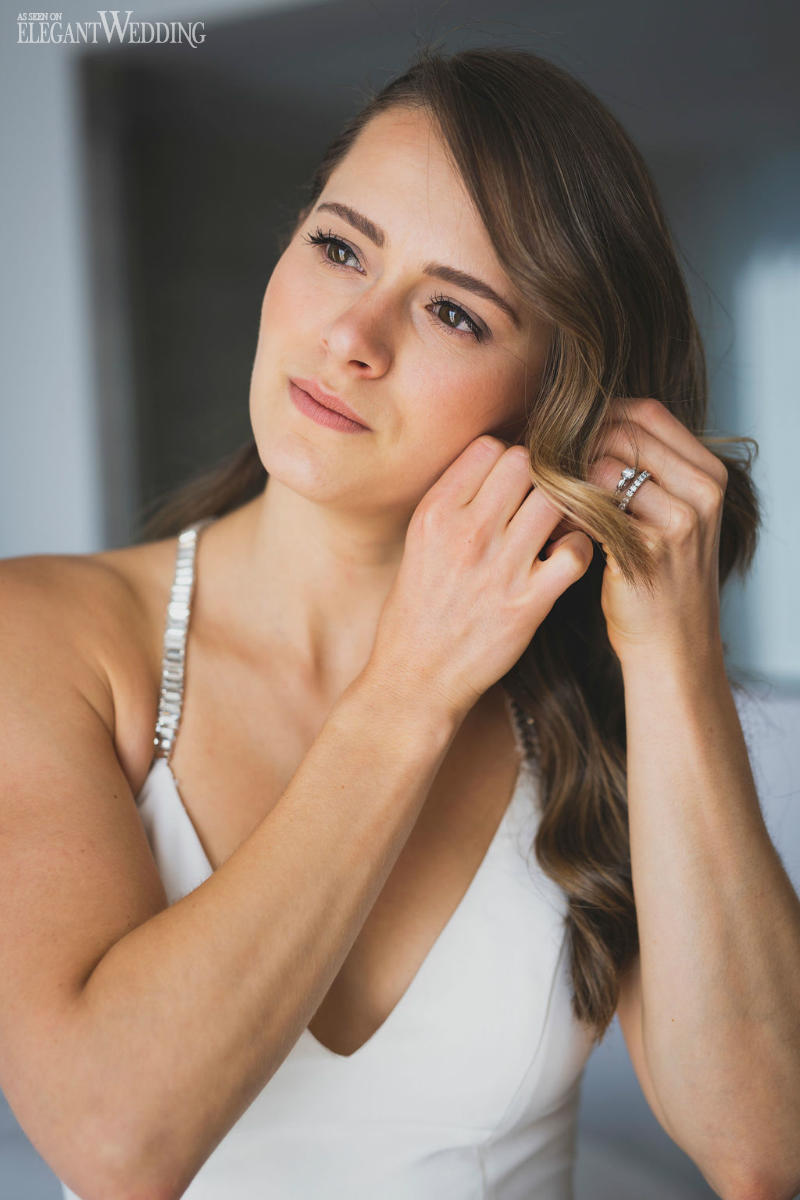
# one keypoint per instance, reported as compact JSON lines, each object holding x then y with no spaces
{"x":78,"y":701}
{"x":98,"y":620}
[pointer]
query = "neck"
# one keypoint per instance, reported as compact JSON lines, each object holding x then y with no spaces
{"x":305,"y":581}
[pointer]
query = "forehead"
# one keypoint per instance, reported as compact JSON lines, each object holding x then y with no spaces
{"x":399,"y":174}
{"x":410,"y":133}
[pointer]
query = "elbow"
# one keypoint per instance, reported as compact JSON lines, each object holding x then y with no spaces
{"x":99,"y":1185}
{"x":755,"y":1185}
{"x":94,"y":1164}
{"x":137,"y":1184}
{"x":131,"y":1186}
{"x":758,"y":1190}
{"x":147,"y":1193}
{"x":118,"y":1167}
{"x":129,"y":1193}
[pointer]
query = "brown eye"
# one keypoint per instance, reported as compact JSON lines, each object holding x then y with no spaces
{"x":340,"y":252}
{"x":328,"y":240}
{"x":447,"y":306}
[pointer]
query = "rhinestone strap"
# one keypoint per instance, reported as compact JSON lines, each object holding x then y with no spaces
{"x":177,"y":624}
{"x":525,"y":728}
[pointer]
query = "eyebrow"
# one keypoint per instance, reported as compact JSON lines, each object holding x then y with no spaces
{"x":461,"y":279}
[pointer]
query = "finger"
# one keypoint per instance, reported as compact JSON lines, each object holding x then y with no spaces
{"x":651,"y":419}
{"x":504,"y":488}
{"x":650,"y":502}
{"x":532,"y":524}
{"x":668,"y":466}
{"x":564,"y":561}
{"x":461,"y":480}
{"x":676,"y":475}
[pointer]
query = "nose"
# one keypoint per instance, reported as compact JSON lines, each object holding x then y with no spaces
{"x":360,"y":335}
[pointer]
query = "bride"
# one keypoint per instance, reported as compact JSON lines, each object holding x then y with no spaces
{"x":342,"y":814}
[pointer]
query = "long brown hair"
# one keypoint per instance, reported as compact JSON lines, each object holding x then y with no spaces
{"x":576,"y":222}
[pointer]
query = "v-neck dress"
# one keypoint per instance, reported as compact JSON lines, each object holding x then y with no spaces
{"x":469,"y":1089}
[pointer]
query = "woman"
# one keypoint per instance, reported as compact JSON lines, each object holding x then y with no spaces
{"x":451,"y":697}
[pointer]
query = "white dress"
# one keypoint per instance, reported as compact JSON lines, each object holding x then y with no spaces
{"x":470,"y":1087}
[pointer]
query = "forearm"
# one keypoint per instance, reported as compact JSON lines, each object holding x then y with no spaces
{"x":719,"y":922}
{"x":186,"y":1018}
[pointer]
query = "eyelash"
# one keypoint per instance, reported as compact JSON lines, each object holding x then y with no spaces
{"x":320,"y":238}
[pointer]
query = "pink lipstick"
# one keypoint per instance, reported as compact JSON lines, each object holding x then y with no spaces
{"x":323,"y":407}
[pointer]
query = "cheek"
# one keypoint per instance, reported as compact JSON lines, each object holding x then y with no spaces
{"x":290,"y":300}
{"x":278,"y":297}
{"x":477,"y":399}
{"x":448,"y":414}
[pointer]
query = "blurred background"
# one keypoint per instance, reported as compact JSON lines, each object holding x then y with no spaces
{"x":145,"y":188}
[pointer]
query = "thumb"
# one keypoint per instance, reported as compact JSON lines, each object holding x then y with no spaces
{"x":579,"y":540}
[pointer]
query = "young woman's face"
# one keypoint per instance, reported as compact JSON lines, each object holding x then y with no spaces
{"x":427,"y":363}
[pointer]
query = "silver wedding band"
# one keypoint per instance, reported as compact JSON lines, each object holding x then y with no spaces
{"x":628,"y":473}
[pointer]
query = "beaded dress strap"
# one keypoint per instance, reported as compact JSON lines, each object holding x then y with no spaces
{"x":174,"y":657}
{"x":525,"y":728}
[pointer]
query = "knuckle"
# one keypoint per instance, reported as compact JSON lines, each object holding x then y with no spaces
{"x":428,"y":517}
{"x":711,"y":494}
{"x":470,"y":544}
{"x":435,"y":515}
{"x":683,"y":519}
{"x":584,"y":552}
{"x":649,"y":405}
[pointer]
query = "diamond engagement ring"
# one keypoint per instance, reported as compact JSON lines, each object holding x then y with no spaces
{"x":628,"y":474}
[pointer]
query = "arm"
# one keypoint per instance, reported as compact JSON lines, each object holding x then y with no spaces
{"x":119,"y":1011}
{"x":711,"y":1010}
{"x":719,"y":928}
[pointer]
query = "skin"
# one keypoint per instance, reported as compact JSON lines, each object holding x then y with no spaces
{"x":336,"y":509}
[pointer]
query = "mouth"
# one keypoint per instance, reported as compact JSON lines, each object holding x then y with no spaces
{"x":306,"y":393}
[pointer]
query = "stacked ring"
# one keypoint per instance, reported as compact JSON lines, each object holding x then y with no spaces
{"x":628,"y":474}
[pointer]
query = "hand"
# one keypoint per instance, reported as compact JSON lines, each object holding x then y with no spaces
{"x":679,"y":511}
{"x":471,"y":591}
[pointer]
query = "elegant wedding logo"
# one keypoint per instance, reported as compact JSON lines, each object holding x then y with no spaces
{"x":49,"y":28}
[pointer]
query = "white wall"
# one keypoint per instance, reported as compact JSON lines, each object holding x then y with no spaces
{"x":51,"y":492}
{"x":49,"y":498}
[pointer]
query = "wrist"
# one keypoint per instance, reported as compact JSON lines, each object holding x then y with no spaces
{"x":410,"y":708}
{"x":676,"y":658}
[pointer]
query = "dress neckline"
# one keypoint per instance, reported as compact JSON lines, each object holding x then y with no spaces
{"x":446,"y":933}
{"x":171,"y":703}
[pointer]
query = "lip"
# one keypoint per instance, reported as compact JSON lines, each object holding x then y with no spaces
{"x":328,"y":400}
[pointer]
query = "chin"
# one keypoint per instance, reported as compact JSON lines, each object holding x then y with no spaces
{"x":303,"y":467}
